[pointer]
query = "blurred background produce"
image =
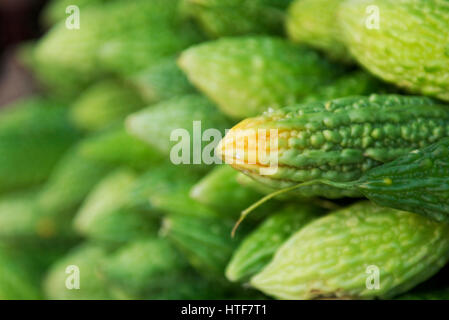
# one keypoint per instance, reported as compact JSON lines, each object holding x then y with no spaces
{"x":92,"y":205}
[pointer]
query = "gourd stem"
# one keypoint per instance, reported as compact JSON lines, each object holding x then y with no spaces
{"x":244,"y":214}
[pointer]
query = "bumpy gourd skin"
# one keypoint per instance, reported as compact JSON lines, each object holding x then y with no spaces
{"x":411,"y":46}
{"x":336,"y":140}
{"x":416,"y":182}
{"x":245,"y":76}
{"x":329,"y":257}
{"x":220,"y":18}
{"x":314,"y":22}
{"x":258,"y":248}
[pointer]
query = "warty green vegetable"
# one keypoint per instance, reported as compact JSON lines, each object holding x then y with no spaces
{"x":162,"y":81}
{"x":115,"y":147}
{"x":34,"y":134}
{"x":70,"y":182}
{"x":245,"y":76}
{"x":360,"y":252}
{"x":416,"y":182}
{"x":161,"y":126}
{"x":103,"y":104}
{"x":21,"y":219}
{"x":16,"y":280}
{"x":221,"y":191}
{"x":355,"y":83}
{"x":151,"y":268}
{"x":88,"y":258}
{"x":104,"y":215}
{"x":220,"y":18}
{"x":205,"y":241}
{"x":315,"y":23}
{"x":165,"y":188}
{"x":111,"y":38}
{"x":402,"y":42}
{"x":337,"y":140}
{"x":258,"y":248}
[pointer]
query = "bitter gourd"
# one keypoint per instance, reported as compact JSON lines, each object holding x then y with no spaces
{"x":21,"y":219}
{"x":220,"y":18}
{"x":221,"y":191}
{"x":55,"y":11}
{"x":103,"y":104}
{"x":34,"y":134}
{"x":151,"y":268}
{"x":104,"y":216}
{"x":119,"y":36}
{"x":415,"y":182}
{"x":115,"y":147}
{"x":165,"y":188}
{"x":314,"y":22}
{"x":172,"y":123}
{"x":248,"y":75}
{"x":16,"y":280}
{"x":70,"y":182}
{"x":403,"y":42}
{"x":363,"y":251}
{"x":162,"y":81}
{"x":205,"y":241}
{"x":337,"y":140}
{"x":80,"y":266}
{"x":257,"y":249}
{"x":356,"y":83}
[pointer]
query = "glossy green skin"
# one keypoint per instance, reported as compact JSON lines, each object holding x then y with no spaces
{"x":410,"y":47}
{"x":162,"y":81}
{"x":219,"y":18}
{"x":206,"y":242}
{"x":88,"y":258}
{"x":103,"y":104}
{"x":115,"y":146}
{"x":329,"y":257}
{"x":34,"y":135}
{"x":104,"y":216}
{"x":155,"y":124}
{"x":258,"y":248}
{"x":416,"y":182}
{"x":340,"y":139}
{"x":248,"y":75}
{"x":315,"y":23}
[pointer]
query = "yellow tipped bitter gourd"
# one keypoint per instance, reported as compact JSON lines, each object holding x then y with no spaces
{"x":337,"y":140}
{"x":360,"y":252}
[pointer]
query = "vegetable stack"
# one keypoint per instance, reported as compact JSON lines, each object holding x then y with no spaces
{"x":322,"y":124}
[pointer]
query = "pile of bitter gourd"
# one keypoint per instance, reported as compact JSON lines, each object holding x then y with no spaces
{"x":99,"y":200}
